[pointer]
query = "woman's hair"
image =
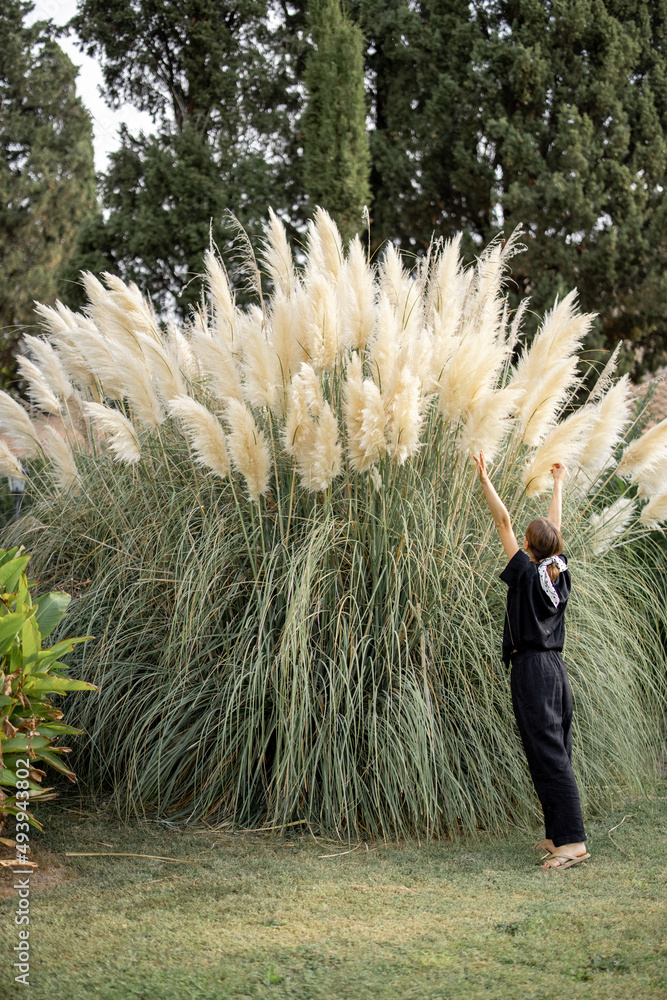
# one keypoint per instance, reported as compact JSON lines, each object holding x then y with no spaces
{"x":544,"y":540}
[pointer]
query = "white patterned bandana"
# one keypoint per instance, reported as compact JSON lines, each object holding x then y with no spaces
{"x":545,"y":579}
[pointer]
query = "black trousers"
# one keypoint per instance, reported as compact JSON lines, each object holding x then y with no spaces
{"x":542,"y":701}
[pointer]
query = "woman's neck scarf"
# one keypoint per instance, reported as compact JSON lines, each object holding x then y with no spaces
{"x":546,"y":581}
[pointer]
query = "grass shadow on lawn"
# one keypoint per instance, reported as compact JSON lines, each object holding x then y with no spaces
{"x":260,"y":915}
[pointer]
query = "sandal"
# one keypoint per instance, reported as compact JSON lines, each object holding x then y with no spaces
{"x":565,"y":861}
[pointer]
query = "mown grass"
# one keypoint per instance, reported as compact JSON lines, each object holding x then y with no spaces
{"x":267,"y":916}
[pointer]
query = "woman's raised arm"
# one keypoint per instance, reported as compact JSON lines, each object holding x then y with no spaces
{"x":559,"y":472}
{"x":499,"y":511}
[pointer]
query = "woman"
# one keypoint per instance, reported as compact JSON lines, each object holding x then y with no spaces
{"x":539,"y":586}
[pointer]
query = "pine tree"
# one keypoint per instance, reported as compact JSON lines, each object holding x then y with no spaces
{"x":335,"y":143}
{"x":47,"y":179}
{"x":551,"y":114}
{"x":221,"y":93}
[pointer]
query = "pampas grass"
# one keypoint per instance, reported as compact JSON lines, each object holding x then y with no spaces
{"x":9,"y":463}
{"x":116,"y":429}
{"x":39,"y":390}
{"x":294,"y":575}
{"x":611,"y":524}
{"x":18,"y":428}
{"x":248,"y":449}
{"x":61,"y":458}
{"x":547,"y":370}
{"x":205,"y":433}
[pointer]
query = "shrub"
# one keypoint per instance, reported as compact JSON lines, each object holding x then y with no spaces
{"x":294,"y":581}
{"x":30,"y":724}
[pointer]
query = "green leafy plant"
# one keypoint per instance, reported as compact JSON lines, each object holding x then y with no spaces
{"x":29,"y":675}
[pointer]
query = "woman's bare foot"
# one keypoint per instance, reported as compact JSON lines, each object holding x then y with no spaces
{"x":563,"y":854}
{"x":545,"y":845}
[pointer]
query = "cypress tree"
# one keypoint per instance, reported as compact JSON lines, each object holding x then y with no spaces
{"x":47,"y":177}
{"x":335,"y":143}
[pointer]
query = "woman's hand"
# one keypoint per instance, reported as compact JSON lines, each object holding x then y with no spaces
{"x":481,"y":467}
{"x":558,"y":471}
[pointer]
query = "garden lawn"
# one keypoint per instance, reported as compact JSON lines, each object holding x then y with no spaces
{"x":259,"y":915}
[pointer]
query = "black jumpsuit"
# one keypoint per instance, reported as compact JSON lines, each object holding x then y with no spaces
{"x":533,"y":640}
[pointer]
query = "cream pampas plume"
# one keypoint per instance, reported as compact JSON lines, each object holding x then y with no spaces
{"x":101,"y":364}
{"x":222,"y":300}
{"x":56,"y":319}
{"x":543,"y":399}
{"x":651,"y":481}
{"x":565,"y":443}
{"x":277,"y":256}
{"x":445,"y":288}
{"x":548,"y":369}
{"x":62,"y":460}
{"x":353,"y":406}
{"x":606,"y":377}
{"x":218,"y":365}
{"x":204,"y":432}
{"x":321,"y":331}
{"x":138,"y":388}
{"x":469,"y":346}
{"x":50,"y":365}
{"x":63,"y":327}
{"x":321,"y":463}
{"x":18,"y":428}
{"x":325,"y":248}
{"x":443,"y":346}
{"x":288,"y":321}
{"x":644,"y":454}
{"x":180,"y":350}
{"x":365,"y":419}
{"x":613,"y":414}
{"x":39,"y":389}
{"x":385,"y":345}
{"x":304,"y":402}
{"x":111,"y":322}
{"x":356,"y":299}
{"x":404,"y":411}
{"x":131,"y":310}
{"x":473,"y":370}
{"x":248,"y":449}
{"x":655,"y":511}
{"x":488,"y":420}
{"x":395,"y":282}
{"x":517,"y":320}
{"x":163,"y":367}
{"x":486,"y":307}
{"x":9,"y":463}
{"x":116,"y":429}
{"x":259,"y":362}
{"x":310,"y":434}
{"x":609,"y":525}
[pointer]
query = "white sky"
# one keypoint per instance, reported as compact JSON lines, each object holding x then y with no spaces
{"x":106,"y":121}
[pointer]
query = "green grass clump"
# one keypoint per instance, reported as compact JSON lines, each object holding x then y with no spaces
{"x":293,"y":579}
{"x":331,"y":658}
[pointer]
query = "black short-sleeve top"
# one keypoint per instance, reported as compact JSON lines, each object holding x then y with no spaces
{"x":531,"y":620}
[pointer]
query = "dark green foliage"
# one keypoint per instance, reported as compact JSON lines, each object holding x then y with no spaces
{"x":47,"y":180}
{"x":483,"y":115}
{"x":549,"y":114}
{"x":336,"y":154}
{"x":213,"y":76}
